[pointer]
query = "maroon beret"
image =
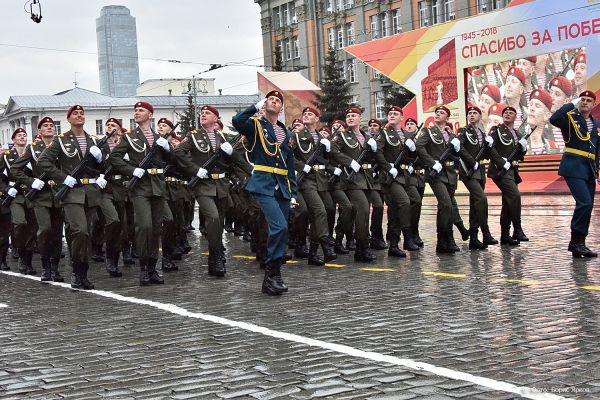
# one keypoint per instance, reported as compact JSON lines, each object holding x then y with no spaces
{"x":444,"y":109}
{"x":493,"y":91}
{"x":114,"y":121}
{"x":374,"y":121}
{"x":517,"y":73}
{"x":563,"y":84}
{"x":18,"y":130}
{"x":326,"y":129}
{"x":275,"y":93}
{"x":496,"y":109}
{"x":166,"y":121}
{"x":312,"y":110}
{"x":340,"y":122}
{"x":143,"y":104}
{"x":509,"y":108}
{"x":588,"y":93}
{"x":532,"y":59}
{"x":73,"y":108}
{"x":543,"y":96}
{"x":474,"y":108}
{"x":296,"y":121}
{"x":354,"y":110}
{"x":410,"y":120}
{"x":395,"y":108}
{"x":581,"y":58}
{"x":44,"y":120}
{"x":211,"y":109}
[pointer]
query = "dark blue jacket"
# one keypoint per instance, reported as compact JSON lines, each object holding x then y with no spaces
{"x":575,"y":165}
{"x":264,"y":182}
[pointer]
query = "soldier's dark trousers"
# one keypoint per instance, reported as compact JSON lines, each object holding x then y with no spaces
{"x":123,"y":237}
{"x":112,"y":226}
{"x":49,"y":233}
{"x":345,"y":219}
{"x":377,"y":217}
{"x":24,"y":226}
{"x":478,"y":204}
{"x":360,"y":200}
{"x":276,"y":210}
{"x":398,"y":203}
{"x":79,"y":219}
{"x":150,"y":212}
{"x":511,"y":203}
{"x":583,"y":192}
{"x":317,"y":214}
{"x":444,"y":194}
{"x":416,"y":202}
{"x":299,"y":220}
{"x":213,"y":210}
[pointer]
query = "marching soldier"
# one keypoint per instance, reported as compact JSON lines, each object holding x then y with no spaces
{"x":48,"y":212}
{"x":273,"y":181}
{"x":376,"y":242}
{"x":579,"y":164}
{"x":506,"y":140}
{"x":431,"y":144}
{"x":212,"y":191}
{"x":81,"y":202}
{"x":415,"y":187}
{"x":148,"y":197}
{"x":473,"y":139}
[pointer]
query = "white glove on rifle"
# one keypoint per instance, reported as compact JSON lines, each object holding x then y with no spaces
{"x":202,"y":173}
{"x":326,"y":143}
{"x":393,"y":172}
{"x":101,"y":181}
{"x":410,"y":144}
{"x":506,"y":164}
{"x":476,"y":166}
{"x":410,"y":169}
{"x":306,"y":168}
{"x":337,"y":171}
{"x":97,"y":153}
{"x":355,"y":166}
{"x":37,"y":184}
{"x":523,"y":143}
{"x":164,"y":143}
{"x":373,"y":144}
{"x":12,"y":192}
{"x":138,"y":172}
{"x":489,"y":140}
{"x":437,"y":167}
{"x":70,"y":181}
{"x":456,"y":143}
{"x":260,"y":104}
{"x":227,"y":148}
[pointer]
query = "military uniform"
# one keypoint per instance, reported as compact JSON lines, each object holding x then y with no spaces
{"x":415,"y":188}
{"x":579,"y":167}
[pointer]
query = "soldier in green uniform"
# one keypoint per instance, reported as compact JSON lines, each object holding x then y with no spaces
{"x":506,"y":140}
{"x":431,"y":144}
{"x":48,"y":212}
{"x":80,"y":204}
{"x":148,"y":197}
{"x":415,"y":184}
{"x":212,"y":191}
{"x":376,"y":241}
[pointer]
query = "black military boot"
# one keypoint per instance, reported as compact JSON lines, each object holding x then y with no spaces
{"x":3,"y":265}
{"x":247,"y":236}
{"x":144,"y":274}
{"x":350,"y":244}
{"x":590,"y":252}
{"x":97,"y":253}
{"x":127,"y":259}
{"x":578,"y":248}
{"x":168,"y":265}
{"x":87,"y":285}
{"x":394,"y":250}
{"x":271,"y":283}
{"x":339,"y":246}
{"x":186,"y":244}
{"x":76,"y":282}
{"x":409,"y":243}
{"x":112,"y":265}
{"x":313,"y":255}
{"x":519,"y":235}
{"x":417,"y":238}
{"x":328,"y":252}
{"x":464,"y":232}
{"x":377,"y":243}
{"x":363,"y":254}
{"x":442,"y":243}
{"x":300,"y":250}
{"x":155,"y":277}
{"x":474,"y":243}
{"x":450,"y":240}
{"x":28,"y":263}
{"x":22,"y":263}
{"x":46,"y":270}
{"x":56,"y":276}
{"x":488,"y":239}
{"x":505,"y":238}
{"x":219,"y":265}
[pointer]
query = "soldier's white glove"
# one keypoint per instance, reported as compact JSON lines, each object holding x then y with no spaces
{"x":456,"y":143}
{"x":337,"y":171}
{"x":70,"y":181}
{"x":306,"y":168}
{"x":489,"y":140}
{"x":506,"y":165}
{"x":410,"y":169}
{"x":126,"y":157}
{"x":576,"y":101}
{"x":373,"y":144}
{"x":164,"y":143}
{"x":37,"y":184}
{"x":12,"y":192}
{"x":138,"y":172}
{"x":523,"y":143}
{"x":101,"y":181}
{"x":97,"y":153}
{"x":293,"y":203}
{"x":227,"y":148}
{"x":476,"y":166}
{"x":393,"y":172}
{"x":437,"y":167}
{"x":410,"y":144}
{"x":326,"y":143}
{"x":29,"y":166}
{"x":355,"y":166}
{"x":202,"y":173}
{"x":260,"y":104}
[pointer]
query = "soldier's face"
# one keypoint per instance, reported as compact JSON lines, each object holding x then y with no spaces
{"x":77,"y":118}
{"x":585,"y":104}
{"x":513,"y":87}
{"x":173,"y":142}
{"x":440,"y":117}
{"x":298,"y":127}
{"x":336,"y":127}
{"x":526,"y":66}
{"x":373,"y":128}
{"x":273,"y":105}
{"x":580,"y":74}
{"x":473,"y":117}
{"x":509,"y":116}
{"x":111,"y":126}
{"x":395,"y":117}
{"x":324,"y":133}
{"x":47,"y":130}
{"x":352,"y":120}
{"x":308,"y":117}
{"x":141,"y":115}
{"x":20,"y":139}
{"x":559,"y":98}
{"x":537,"y":113}
{"x":410,"y":127}
{"x":163,"y":128}
{"x":207,"y":118}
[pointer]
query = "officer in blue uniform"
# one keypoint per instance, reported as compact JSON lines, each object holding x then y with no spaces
{"x":579,"y":165}
{"x":273,"y":181}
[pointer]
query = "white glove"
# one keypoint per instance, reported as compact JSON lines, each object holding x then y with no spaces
{"x":337,"y":171}
{"x":326,"y":143}
{"x":97,"y":153}
{"x":101,"y":181}
{"x":410,"y":144}
{"x":164,"y":143}
{"x":476,"y":166}
{"x":456,"y":143}
{"x":306,"y":168}
{"x":437,"y":166}
{"x":138,"y":172}
{"x":227,"y":148}
{"x":260,"y":104}
{"x":523,"y":143}
{"x":12,"y":192}
{"x":489,"y":140}
{"x":576,"y":101}
{"x":393,"y":172}
{"x":70,"y":181}
{"x":202,"y":173}
{"x":355,"y":166}
{"x":410,"y":169}
{"x":126,"y":157}
{"x":37,"y":184}
{"x":29,"y":166}
{"x":293,"y":203}
{"x":506,"y":164}
{"x":371,"y":142}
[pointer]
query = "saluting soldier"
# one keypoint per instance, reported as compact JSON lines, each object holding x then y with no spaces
{"x":579,"y":164}
{"x":431,"y":144}
{"x":81,"y":202}
{"x":148,"y":196}
{"x":506,"y":140}
{"x":48,"y":211}
{"x":273,"y":182}
{"x":473,"y":139}
{"x":415,"y":187}
{"x":212,"y":191}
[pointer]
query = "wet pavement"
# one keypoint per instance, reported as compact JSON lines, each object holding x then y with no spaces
{"x":526,"y":317}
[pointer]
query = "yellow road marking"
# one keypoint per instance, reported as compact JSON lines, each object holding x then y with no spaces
{"x":518,"y":281}
{"x":291,"y":262}
{"x":378,"y":269}
{"x":246,"y":257}
{"x":334,"y":265}
{"x":445,"y":274}
{"x":590,"y":287}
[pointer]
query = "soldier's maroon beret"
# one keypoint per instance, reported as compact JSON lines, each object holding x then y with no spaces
{"x":444,"y":109}
{"x":211,"y":109}
{"x":275,"y":93}
{"x":18,"y":130}
{"x":73,"y":108}
{"x":588,"y":93}
{"x":115,"y":121}
{"x":166,"y":121}
{"x":143,"y":104}
{"x":395,"y":108}
{"x":312,"y":110}
{"x":43,"y":121}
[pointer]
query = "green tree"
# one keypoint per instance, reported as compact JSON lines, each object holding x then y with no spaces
{"x":396,"y":95}
{"x":335,"y":91}
{"x":186,"y":119}
{"x":277,"y":65}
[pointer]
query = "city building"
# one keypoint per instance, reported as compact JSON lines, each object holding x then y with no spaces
{"x":117,"y":52}
{"x":26,"y":111}
{"x":302,"y":31}
{"x":176,"y":87}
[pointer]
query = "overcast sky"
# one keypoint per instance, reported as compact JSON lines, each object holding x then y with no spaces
{"x":199,"y":31}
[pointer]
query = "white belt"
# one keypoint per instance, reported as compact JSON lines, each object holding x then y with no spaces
{"x":318,"y":167}
{"x":87,"y":181}
{"x":217,"y":176}
{"x":155,"y":171}
{"x":11,"y":184}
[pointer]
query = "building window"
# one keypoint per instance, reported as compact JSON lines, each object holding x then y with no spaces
{"x":296,"y":47}
{"x":340,"y":66}
{"x":331,"y":37}
{"x":449,"y":10}
{"x":57,"y":127}
{"x":384,"y":24}
{"x":354,"y":99}
{"x":153,"y":124}
{"x":435,"y":12}
{"x":99,"y":127}
{"x":276,"y":18}
{"x":423,"y":18}
{"x":350,"y":33}
{"x":348,"y":4}
{"x":374,"y":26}
{"x":376,"y":74}
{"x":288,"y":49}
{"x":132,"y":125}
{"x":285,"y":14}
{"x":340,"y":5}
{"x":396,"y":25}
{"x":340,"y":37}
{"x":293,"y":13}
{"x":490,"y":5}
{"x":379,"y":105}
{"x":352,"y":70}
{"x":329,"y":5}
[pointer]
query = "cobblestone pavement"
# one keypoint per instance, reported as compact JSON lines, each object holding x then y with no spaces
{"x":527,"y":316}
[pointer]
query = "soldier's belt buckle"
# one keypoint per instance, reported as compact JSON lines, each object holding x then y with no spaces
{"x":51,"y":183}
{"x":85,"y":181}
{"x":515,"y":163}
{"x":153,"y":171}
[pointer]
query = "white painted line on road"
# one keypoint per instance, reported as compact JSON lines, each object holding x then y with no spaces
{"x":526,"y":392}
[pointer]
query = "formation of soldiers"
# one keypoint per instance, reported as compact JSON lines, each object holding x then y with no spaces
{"x":125,"y":193}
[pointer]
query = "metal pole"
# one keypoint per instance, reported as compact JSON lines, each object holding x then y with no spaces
{"x":195,"y":101}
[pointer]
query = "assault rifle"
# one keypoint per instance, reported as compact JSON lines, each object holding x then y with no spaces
{"x":442,"y":159}
{"x":513,"y":156}
{"x":398,"y":160}
{"x":210,"y":163}
{"x":313,"y":157}
{"x":362,"y":155}
{"x":480,"y":154}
